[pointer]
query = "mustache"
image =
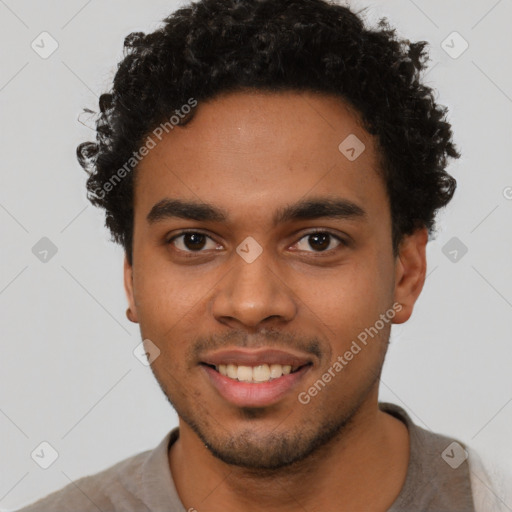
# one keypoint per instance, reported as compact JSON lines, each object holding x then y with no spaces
{"x":270,"y":338}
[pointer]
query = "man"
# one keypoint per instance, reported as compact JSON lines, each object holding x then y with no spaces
{"x":273,"y":171}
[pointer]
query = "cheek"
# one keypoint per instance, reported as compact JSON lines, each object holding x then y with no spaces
{"x":346,"y":307}
{"x":163,"y":291}
{"x":346,"y":298}
{"x":172,"y":304}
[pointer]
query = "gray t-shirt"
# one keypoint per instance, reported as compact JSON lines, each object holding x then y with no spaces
{"x":438,"y":479}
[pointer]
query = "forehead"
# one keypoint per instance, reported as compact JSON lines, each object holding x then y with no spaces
{"x":252,"y":153}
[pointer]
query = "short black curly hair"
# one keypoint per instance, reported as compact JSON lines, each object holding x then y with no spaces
{"x":216,"y":46}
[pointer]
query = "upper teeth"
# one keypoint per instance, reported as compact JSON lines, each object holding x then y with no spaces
{"x":260,"y":373}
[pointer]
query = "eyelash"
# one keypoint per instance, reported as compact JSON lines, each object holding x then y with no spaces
{"x":343,"y":243}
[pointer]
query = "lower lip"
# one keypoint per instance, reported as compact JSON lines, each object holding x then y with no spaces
{"x":259,"y":394}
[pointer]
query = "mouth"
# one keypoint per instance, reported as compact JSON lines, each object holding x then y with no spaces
{"x":261,"y":378}
{"x":255,"y":374}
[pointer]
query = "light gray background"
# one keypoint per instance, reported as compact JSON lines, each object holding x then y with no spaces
{"x":69,"y":376}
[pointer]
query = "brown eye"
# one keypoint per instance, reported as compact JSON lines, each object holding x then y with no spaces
{"x":191,"y":241}
{"x":320,"y":241}
{"x":194,"y":241}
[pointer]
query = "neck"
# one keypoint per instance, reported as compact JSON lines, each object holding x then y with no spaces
{"x":363,"y":468}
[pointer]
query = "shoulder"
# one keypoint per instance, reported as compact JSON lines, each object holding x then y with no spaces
{"x":438,"y":475}
{"x":490,"y":483}
{"x":114,"y":488}
{"x":444,"y":471}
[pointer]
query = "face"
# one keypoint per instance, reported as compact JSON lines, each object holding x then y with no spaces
{"x":261,"y":256}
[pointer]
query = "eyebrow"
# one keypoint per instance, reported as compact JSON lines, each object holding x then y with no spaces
{"x":310,"y":209}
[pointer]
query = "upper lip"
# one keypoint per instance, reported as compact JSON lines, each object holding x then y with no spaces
{"x":252,"y":357}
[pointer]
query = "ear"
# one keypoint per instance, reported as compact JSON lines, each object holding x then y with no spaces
{"x":128,"y":287}
{"x":410,"y":272}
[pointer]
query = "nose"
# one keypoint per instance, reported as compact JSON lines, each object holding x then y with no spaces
{"x":253,"y":295}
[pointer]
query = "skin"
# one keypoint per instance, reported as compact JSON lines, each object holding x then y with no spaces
{"x":251,"y":153}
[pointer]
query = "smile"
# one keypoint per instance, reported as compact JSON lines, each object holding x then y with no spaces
{"x":255,"y":374}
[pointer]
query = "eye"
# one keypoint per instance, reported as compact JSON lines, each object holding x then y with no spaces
{"x":192,"y":241}
{"x":320,"y":241}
